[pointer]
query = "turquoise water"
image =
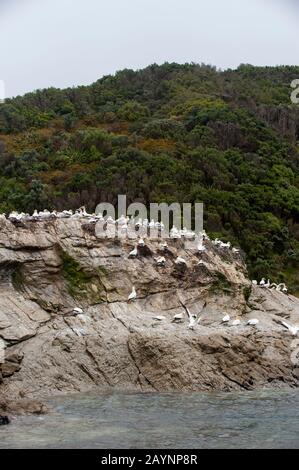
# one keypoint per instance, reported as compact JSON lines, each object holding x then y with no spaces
{"x":267,"y":419}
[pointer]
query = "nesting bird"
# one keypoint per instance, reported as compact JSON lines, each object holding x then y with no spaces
{"x":77,"y":311}
{"x":180,"y":261}
{"x":226,"y":319}
{"x":141,"y":242}
{"x":133,"y":253}
{"x":178,"y":318}
{"x":133,"y":295}
{"x":253,"y":322}
{"x":160,"y":261}
{"x":293,"y":329}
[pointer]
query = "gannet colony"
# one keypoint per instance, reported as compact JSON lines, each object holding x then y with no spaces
{"x":176,"y":313}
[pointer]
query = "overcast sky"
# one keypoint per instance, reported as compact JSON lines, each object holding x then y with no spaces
{"x":70,"y":42}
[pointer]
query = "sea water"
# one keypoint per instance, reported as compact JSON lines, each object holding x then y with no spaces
{"x":267,"y":419}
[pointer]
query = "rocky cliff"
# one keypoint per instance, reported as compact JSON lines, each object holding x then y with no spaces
{"x":49,"y":267}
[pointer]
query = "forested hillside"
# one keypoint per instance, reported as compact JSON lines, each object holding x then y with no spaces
{"x":173,"y":133}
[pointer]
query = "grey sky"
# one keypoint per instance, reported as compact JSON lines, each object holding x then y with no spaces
{"x":70,"y":42}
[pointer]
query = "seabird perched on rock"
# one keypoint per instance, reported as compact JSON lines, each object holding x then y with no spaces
{"x":178,"y":318}
{"x":133,"y":253}
{"x":193,"y":320}
{"x":133,"y":295}
{"x":236,"y":322}
{"x":226,"y":319}
{"x":200,"y":246}
{"x":160,"y":261}
{"x":294,"y":329}
{"x":254,"y":283}
{"x":174,"y":233}
{"x":77,"y":311}
{"x":253,"y":322}
{"x":263,"y":282}
{"x":163,"y":246}
{"x":273,"y":286}
{"x":282,"y":288}
{"x":180,"y":260}
{"x":45,"y":214}
{"x":187,"y":233}
{"x":141,"y":242}
{"x":225,"y":245}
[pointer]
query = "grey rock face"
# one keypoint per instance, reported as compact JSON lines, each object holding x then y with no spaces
{"x":49,"y":267}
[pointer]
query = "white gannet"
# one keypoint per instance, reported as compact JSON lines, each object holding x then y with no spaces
{"x":133,"y":295}
{"x":175,"y":233}
{"x":45,"y":214}
{"x":282,"y":288}
{"x":141,"y":242}
{"x":180,"y":260}
{"x":163,"y":246}
{"x":77,"y":310}
{"x":77,"y":215}
{"x":178,"y":318}
{"x":294,"y":329}
{"x":160,"y":261}
{"x":133,"y":253}
{"x":193,"y":320}
{"x":225,"y":245}
{"x":268,"y":284}
{"x":200,"y":246}
{"x":13,"y":215}
{"x":236,"y":250}
{"x":187,"y":233}
{"x":263,"y":282}
{"x":67,"y":213}
{"x":253,"y":322}
{"x":226,"y":319}
{"x":254,"y":283}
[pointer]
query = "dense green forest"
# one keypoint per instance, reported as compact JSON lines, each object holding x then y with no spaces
{"x":170,"y":133}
